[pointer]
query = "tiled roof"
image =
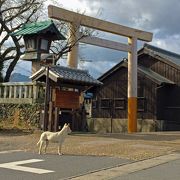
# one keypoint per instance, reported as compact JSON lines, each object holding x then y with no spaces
{"x":154,"y":76}
{"x":38,"y":27}
{"x":69,"y":75}
{"x":146,"y":71}
{"x":167,"y":55}
{"x":155,"y":52}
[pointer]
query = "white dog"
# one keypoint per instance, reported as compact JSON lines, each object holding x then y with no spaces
{"x":57,"y":137}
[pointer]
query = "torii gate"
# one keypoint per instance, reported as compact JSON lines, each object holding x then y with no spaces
{"x":76,"y":19}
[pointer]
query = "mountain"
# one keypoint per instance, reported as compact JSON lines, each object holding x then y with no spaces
{"x":17,"y":77}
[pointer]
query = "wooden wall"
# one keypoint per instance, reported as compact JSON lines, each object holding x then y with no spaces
{"x":168,"y":107}
{"x":157,"y":102}
{"x":114,"y":89}
{"x":167,"y":70}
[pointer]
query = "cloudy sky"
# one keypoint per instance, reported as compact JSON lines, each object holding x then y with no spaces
{"x":161,"y":17}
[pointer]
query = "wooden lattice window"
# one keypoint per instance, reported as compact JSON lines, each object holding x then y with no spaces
{"x":140,"y":89}
{"x":119,"y":103}
{"x":105,"y":103}
{"x":141,"y":104}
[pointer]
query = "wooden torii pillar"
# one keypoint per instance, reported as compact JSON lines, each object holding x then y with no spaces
{"x":132,"y":34}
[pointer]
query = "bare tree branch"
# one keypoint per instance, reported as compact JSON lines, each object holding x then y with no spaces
{"x":13,"y":14}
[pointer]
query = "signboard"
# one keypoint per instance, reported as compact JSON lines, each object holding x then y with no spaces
{"x":67,"y":99}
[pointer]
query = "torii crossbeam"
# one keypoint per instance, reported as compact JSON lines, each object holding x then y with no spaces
{"x":76,"y":20}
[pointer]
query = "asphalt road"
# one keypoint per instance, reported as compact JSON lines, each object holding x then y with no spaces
{"x":29,"y":166}
{"x":167,"y":171}
{"x":19,"y":165}
{"x":158,"y":168}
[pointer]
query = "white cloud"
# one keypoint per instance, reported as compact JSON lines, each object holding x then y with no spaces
{"x":77,"y":5}
{"x":157,"y":16}
{"x":170,"y":43}
{"x":98,"y":68}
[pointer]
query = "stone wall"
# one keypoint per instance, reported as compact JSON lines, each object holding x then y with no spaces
{"x":20,"y":116}
{"x":105,"y":125}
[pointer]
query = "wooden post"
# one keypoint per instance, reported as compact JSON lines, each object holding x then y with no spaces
{"x":50,"y":124}
{"x":45,"y":122}
{"x":132,"y":86}
{"x":56,"y":119}
{"x":73,"y":40}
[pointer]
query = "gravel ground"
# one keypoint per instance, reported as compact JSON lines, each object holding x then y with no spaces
{"x":137,"y":146}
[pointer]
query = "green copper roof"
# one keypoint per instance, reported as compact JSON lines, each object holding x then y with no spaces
{"x":39,"y":28}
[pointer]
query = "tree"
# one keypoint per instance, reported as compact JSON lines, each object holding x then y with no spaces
{"x":13,"y":14}
{"x":59,"y":48}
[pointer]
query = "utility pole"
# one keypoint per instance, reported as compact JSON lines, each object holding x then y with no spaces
{"x":47,"y":95}
{"x":45,"y":120}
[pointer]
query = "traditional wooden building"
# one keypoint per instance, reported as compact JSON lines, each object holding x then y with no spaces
{"x":158,"y":94}
{"x":65,"y":99}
